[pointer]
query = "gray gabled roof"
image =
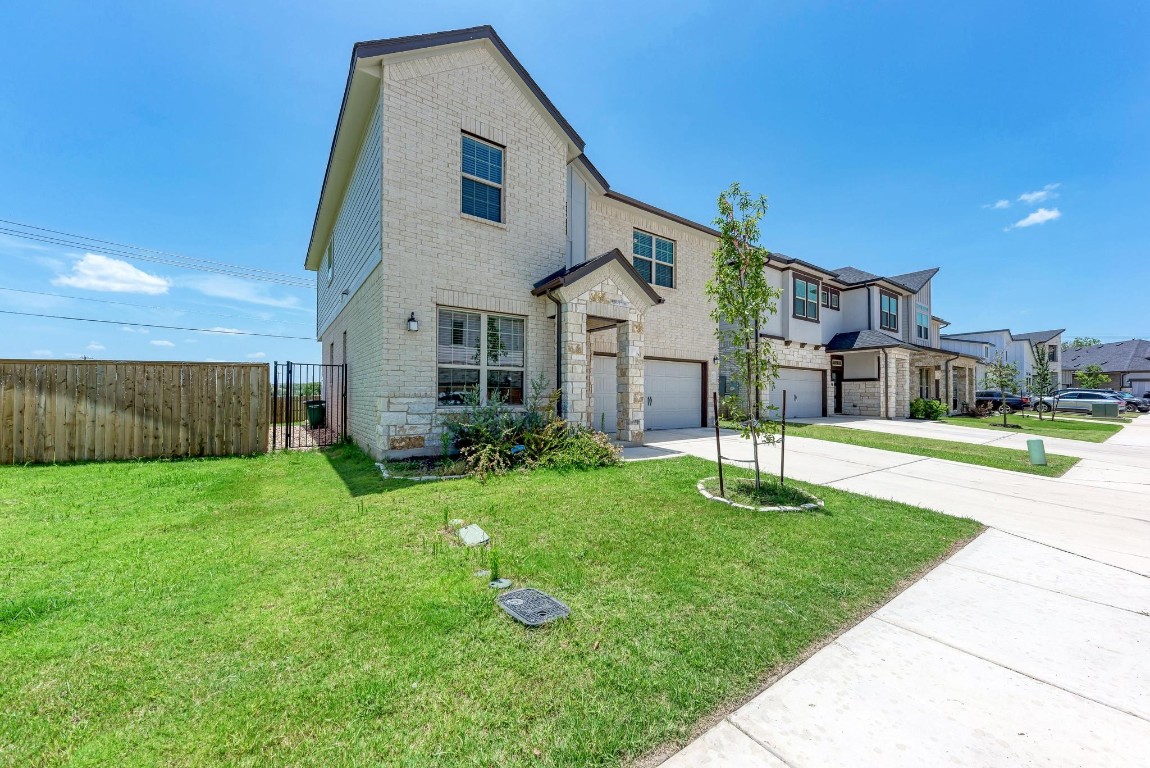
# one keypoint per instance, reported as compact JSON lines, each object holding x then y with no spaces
{"x":912,"y":281}
{"x":568,"y":275}
{"x":915,"y":281}
{"x":1038,"y":337}
{"x":1115,"y":357}
{"x":850,"y":275}
{"x":845,"y":342}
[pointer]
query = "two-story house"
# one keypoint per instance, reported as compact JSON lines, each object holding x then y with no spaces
{"x":463,"y":242}
{"x":854,"y":343}
{"x":1021,"y":349}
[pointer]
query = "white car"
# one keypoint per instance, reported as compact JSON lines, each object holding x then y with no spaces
{"x":1079,"y":400}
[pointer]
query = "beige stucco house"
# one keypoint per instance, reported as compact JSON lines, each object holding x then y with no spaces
{"x":463,"y":241}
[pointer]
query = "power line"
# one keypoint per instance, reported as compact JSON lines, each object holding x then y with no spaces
{"x":109,"y":247}
{"x":130,"y":304}
{"x":224,"y":331}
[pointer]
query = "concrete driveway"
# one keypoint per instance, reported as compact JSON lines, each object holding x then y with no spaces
{"x":1031,"y":646}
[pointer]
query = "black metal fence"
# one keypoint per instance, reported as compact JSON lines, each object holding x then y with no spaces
{"x":309,"y":405}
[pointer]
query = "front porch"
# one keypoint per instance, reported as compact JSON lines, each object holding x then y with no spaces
{"x":604,"y":295}
{"x":881,"y":381}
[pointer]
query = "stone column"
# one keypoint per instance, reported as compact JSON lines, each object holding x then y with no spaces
{"x":629,"y":378}
{"x":576,"y":364}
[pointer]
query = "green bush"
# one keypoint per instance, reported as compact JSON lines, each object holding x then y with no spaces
{"x":493,"y":438}
{"x":921,"y":408}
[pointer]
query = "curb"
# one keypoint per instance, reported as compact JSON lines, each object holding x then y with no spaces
{"x":816,"y":504}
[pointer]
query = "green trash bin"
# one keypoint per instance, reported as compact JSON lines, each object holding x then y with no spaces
{"x":316,"y":413}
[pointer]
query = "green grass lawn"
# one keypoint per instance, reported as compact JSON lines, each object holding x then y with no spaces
{"x":295,"y":608}
{"x":967,"y":453}
{"x":1070,"y":429}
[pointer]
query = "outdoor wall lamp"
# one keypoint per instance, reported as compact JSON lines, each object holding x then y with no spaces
{"x":412,"y":323}
{"x":715,"y":359}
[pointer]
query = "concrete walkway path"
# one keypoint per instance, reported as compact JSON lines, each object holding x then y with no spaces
{"x":1031,"y":646}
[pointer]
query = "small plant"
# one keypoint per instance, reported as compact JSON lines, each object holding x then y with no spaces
{"x":493,"y":564}
{"x":921,"y":408}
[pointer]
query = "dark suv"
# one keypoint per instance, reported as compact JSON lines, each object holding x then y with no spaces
{"x":993,"y":399}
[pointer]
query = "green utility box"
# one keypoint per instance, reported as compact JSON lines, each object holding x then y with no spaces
{"x":316,"y":413}
{"x":1104,"y":410}
{"x":1037,"y":452}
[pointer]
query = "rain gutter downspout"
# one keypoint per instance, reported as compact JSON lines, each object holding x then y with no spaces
{"x":885,"y":382}
{"x":946,"y":372}
{"x":559,"y":405}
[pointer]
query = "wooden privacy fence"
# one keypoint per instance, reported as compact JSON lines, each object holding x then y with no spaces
{"x":94,"y":410}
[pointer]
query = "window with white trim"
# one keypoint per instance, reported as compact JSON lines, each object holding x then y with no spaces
{"x":477,"y":351}
{"x":922,"y":323}
{"x":482,"y":179}
{"x":654,"y":258}
{"x":330,"y":259}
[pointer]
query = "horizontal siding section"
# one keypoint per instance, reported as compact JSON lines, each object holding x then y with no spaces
{"x":357,"y":230}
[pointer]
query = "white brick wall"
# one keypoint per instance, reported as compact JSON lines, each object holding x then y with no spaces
{"x":680,"y":328}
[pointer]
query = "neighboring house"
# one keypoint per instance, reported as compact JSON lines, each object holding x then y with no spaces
{"x":1127,"y":362}
{"x":855,"y":343}
{"x":1018,"y":348}
{"x":457,"y":201}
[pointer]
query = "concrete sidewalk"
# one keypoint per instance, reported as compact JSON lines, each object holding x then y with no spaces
{"x":1029,"y":647}
{"x":1010,"y":653}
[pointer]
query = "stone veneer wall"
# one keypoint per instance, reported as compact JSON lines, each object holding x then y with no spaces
{"x":862,"y":398}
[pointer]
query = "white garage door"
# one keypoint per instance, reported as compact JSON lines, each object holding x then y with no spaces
{"x":674,"y":394}
{"x":804,"y":393}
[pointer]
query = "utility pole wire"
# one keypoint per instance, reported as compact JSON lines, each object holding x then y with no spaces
{"x":137,"y":306}
{"x":225,"y":331}
{"x":167,"y":258}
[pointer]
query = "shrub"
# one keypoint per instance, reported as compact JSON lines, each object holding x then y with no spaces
{"x":494,"y":438}
{"x":920,"y":408}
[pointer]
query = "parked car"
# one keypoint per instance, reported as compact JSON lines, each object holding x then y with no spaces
{"x":1079,"y":400}
{"x":1132,"y":403}
{"x":992,"y":398}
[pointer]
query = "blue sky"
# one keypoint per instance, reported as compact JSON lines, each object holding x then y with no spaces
{"x":883,"y":134}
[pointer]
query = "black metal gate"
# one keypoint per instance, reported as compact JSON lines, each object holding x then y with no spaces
{"x":309,"y":405}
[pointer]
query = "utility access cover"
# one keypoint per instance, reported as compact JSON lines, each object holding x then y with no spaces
{"x":532,"y":607}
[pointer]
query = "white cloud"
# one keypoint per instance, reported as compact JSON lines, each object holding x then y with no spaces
{"x":101,"y":273}
{"x":224,"y":287}
{"x":130,"y":329}
{"x":161,"y":343}
{"x":257,"y":355}
{"x":998,"y":205}
{"x":41,"y":353}
{"x":1041,"y":216}
{"x":95,"y":346}
{"x":222,"y":329}
{"x":1040,"y":195}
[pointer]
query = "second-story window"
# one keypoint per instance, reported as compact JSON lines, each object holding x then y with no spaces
{"x":888,"y":312}
{"x":922,"y":323}
{"x":482,"y":172}
{"x":654,"y":258}
{"x":829,"y":297}
{"x":1052,"y":353}
{"x":806,"y":300}
{"x":330,"y":260}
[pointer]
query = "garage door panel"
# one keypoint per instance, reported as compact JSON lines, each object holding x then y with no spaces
{"x":674,"y":394}
{"x":805,"y":393}
{"x":673,"y":391}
